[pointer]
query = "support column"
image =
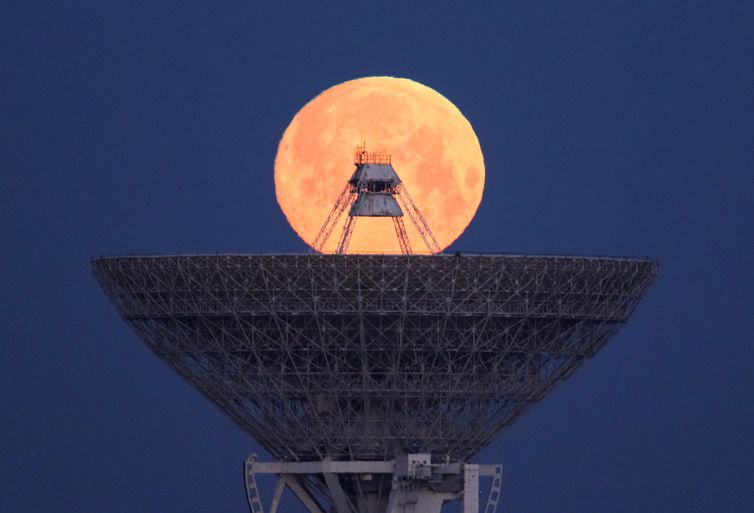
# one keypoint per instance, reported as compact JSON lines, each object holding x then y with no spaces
{"x":470,"y":488}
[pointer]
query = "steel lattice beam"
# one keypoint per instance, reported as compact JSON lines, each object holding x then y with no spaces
{"x":367,"y":356}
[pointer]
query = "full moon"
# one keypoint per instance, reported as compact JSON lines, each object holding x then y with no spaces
{"x":434,"y":151}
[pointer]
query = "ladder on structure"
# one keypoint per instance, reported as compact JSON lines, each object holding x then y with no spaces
{"x":494,"y":497}
{"x":252,"y":492}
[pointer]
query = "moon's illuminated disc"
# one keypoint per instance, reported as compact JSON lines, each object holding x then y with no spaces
{"x":434,"y":151}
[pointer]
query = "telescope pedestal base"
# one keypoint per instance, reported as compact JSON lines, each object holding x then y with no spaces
{"x":410,"y":483}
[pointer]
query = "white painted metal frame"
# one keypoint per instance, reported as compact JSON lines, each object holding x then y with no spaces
{"x":319,"y":485}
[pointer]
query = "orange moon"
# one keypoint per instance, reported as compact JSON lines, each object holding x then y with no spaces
{"x":434,"y":151}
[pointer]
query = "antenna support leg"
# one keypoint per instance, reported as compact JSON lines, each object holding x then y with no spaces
{"x":410,"y":483}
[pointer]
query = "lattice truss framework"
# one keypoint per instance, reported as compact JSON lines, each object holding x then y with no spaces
{"x":368,"y":356}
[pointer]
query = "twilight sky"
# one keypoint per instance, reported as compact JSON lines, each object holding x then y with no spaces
{"x":613,"y":128}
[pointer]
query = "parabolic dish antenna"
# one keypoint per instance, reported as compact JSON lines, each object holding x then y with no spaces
{"x":373,"y":380}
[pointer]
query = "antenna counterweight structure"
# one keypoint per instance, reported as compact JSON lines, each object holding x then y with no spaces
{"x":375,"y":190}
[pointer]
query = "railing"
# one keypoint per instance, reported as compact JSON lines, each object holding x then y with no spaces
{"x":362,"y":156}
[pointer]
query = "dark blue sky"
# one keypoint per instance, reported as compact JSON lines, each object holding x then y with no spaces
{"x":612,"y":128}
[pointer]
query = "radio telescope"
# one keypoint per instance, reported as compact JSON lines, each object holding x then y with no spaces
{"x":374,"y":380}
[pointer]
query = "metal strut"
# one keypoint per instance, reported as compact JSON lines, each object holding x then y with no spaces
{"x":418,"y":219}
{"x":346,"y":237}
{"x":400,"y":231}
{"x":343,"y":202}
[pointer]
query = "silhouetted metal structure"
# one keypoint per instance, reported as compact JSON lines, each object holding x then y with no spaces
{"x":374,"y":379}
{"x":375,"y":190}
